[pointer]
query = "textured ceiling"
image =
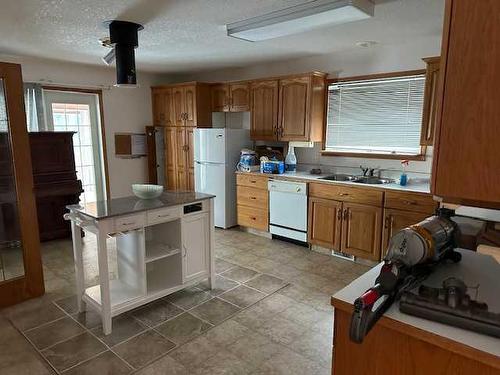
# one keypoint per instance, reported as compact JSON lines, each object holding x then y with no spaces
{"x":188,"y":35}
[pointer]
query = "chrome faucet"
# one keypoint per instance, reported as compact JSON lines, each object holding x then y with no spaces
{"x":369,"y":172}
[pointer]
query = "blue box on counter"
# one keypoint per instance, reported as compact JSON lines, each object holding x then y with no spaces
{"x":272,"y":167}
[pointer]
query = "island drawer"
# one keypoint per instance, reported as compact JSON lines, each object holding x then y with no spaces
{"x":259,"y":182}
{"x":129,"y":222}
{"x":253,"y":197}
{"x":163,"y":215}
{"x":410,"y":201}
{"x":371,"y":197}
{"x":253,"y":218}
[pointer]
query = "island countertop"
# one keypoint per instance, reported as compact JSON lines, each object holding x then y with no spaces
{"x":475,"y":270}
{"x":132,"y":204}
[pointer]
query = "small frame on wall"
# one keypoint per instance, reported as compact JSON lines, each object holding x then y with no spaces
{"x":130,"y":145}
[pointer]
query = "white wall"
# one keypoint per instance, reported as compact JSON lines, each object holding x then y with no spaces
{"x":354,"y":62}
{"x":125,"y":110}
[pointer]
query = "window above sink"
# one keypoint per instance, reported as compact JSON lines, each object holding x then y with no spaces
{"x":376,"y":116}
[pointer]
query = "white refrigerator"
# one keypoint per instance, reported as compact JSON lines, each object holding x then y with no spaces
{"x":216,"y":154}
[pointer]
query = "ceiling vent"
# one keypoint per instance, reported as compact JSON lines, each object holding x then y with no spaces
{"x":123,"y":39}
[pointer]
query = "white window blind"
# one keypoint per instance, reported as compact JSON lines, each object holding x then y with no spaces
{"x":381,"y":116}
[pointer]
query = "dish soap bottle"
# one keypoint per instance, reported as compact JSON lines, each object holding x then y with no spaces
{"x":403,"y":180}
{"x":290,"y":160}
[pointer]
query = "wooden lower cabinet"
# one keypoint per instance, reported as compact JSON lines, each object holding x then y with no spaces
{"x":325,"y":221}
{"x":361,"y":230}
{"x":393,"y":347}
{"x":179,"y":159}
{"x":253,"y":217}
{"x":252,"y":200}
{"x":395,"y":220}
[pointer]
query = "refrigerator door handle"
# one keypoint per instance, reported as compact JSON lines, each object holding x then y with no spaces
{"x":208,"y":163}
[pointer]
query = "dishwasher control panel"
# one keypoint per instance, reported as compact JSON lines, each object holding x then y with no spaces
{"x":287,"y":187}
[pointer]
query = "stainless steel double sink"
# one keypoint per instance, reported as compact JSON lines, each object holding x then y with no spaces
{"x":357,"y":179}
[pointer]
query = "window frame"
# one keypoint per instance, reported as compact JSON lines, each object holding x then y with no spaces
{"x":423,"y":149}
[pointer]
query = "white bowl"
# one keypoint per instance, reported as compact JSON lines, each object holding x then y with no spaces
{"x":147,"y":191}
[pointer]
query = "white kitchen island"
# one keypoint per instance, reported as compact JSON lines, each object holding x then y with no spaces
{"x":162,"y":245}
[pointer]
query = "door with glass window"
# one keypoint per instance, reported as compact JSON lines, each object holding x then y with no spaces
{"x":79,"y":112}
{"x":21,"y":275}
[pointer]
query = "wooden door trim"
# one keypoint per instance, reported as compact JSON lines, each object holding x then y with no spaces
{"x":31,"y":284}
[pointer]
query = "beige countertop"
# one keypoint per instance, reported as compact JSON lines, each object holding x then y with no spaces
{"x":421,"y":187}
{"x":474,"y":269}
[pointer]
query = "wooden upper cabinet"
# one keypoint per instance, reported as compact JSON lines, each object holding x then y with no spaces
{"x":158,"y":107}
{"x":430,"y":101}
{"x":186,"y":104}
{"x":466,"y":168}
{"x":162,"y":107}
{"x":239,"y":97}
{"x":190,"y":105}
{"x":178,"y":106}
{"x":264,"y":110}
{"x":300,"y":108}
{"x":230,"y":97}
{"x":361,"y":230}
{"x":219,"y":95}
{"x":294,"y":109}
{"x":325,"y":221}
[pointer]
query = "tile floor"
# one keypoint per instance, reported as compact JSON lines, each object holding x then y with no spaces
{"x":270,"y":314}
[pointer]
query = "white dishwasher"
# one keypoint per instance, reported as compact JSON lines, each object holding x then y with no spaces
{"x":288,"y":209}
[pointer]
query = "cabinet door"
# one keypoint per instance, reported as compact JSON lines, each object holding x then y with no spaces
{"x":167,"y":107}
{"x":361,"y":230}
{"x":195,"y":246}
{"x":325,"y":221}
{"x":181,"y":159}
{"x":190,"y":105}
{"x":395,"y":220}
{"x":264,"y":110}
{"x":220,"y":98}
{"x":178,"y":106}
{"x":170,"y":158}
{"x":158,"y":107}
{"x":294,"y":109}
{"x":466,"y":157}
{"x":430,"y":101}
{"x":239,"y":97}
{"x":190,"y":158}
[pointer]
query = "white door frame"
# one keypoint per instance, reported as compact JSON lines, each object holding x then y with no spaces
{"x":92,"y":100}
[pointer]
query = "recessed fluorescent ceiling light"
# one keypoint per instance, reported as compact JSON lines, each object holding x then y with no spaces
{"x":300,"y":18}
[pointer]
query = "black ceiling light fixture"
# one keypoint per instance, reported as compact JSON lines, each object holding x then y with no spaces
{"x":123,"y":39}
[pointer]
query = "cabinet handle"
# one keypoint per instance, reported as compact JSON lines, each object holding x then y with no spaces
{"x":343,"y":194}
{"x":164,"y":215}
{"x":339,"y":214}
{"x":253,"y":218}
{"x":409,"y":202}
{"x":128,"y":223}
{"x":253,"y":198}
{"x":185,"y":250}
{"x":345,"y":214}
{"x":386,"y":222}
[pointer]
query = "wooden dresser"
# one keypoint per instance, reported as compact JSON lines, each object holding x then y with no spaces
{"x":55,"y":181}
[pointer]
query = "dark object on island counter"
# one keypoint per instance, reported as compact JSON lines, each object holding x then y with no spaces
{"x":412,"y":255}
{"x":315,"y":171}
{"x":451,"y":305}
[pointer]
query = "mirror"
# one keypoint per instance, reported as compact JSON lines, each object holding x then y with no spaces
{"x":11,"y":249}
